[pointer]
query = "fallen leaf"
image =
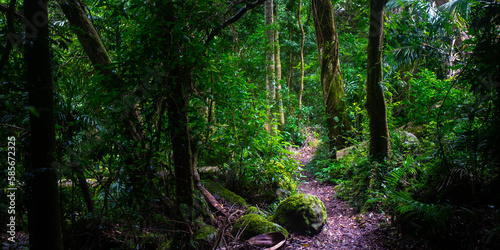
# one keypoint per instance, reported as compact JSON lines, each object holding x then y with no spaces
{"x":273,"y":240}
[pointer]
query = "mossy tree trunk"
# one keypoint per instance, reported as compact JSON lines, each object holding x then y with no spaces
{"x":375,"y":101}
{"x":44,"y":218}
{"x":331,"y":79}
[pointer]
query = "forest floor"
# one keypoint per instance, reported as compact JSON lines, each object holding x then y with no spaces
{"x":345,"y":229}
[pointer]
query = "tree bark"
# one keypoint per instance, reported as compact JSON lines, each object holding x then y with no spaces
{"x":44,"y":218}
{"x":375,"y":101}
{"x":331,"y":79}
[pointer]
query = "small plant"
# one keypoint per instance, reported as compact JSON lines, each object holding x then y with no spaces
{"x":333,"y":172}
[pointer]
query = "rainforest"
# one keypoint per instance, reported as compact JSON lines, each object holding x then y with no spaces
{"x":250,"y":124}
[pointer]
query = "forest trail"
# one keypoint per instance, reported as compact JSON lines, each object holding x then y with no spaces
{"x":345,"y":229}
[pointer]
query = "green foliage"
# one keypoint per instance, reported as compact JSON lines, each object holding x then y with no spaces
{"x":421,"y":98}
{"x":433,"y":185}
{"x":421,"y":36}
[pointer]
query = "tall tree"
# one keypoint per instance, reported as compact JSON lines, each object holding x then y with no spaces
{"x":331,"y":79}
{"x":375,"y":101}
{"x":270,"y":62}
{"x":44,"y":218}
{"x":279,"y":76}
{"x":302,"y":41}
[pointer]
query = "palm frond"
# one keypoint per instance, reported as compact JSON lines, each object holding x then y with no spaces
{"x":394,"y":4}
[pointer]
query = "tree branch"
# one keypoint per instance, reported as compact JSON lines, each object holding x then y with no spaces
{"x":234,"y":18}
{"x":5,"y":8}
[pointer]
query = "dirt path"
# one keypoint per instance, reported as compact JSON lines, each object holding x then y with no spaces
{"x":344,"y":229}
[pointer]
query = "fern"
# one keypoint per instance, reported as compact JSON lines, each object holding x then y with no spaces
{"x":415,"y":211}
{"x":409,"y":167}
{"x":394,"y":177}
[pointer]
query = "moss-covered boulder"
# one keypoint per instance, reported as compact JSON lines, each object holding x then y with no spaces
{"x":206,"y":233}
{"x":218,"y":191}
{"x":301,"y":214}
{"x":251,"y":225}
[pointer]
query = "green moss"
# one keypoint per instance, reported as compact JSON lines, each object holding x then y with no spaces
{"x":252,"y":210}
{"x":256,"y":210}
{"x":205,"y":233}
{"x":254,"y":224}
{"x":217,"y":189}
{"x":301,"y":213}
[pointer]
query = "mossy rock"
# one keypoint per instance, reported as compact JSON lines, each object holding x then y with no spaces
{"x":218,"y":190}
{"x":254,"y":224}
{"x":301,"y":214}
{"x":206,"y":233}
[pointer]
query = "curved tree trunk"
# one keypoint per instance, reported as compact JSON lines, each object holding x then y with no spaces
{"x":44,"y":218}
{"x":128,"y":111}
{"x":331,"y":79}
{"x":98,"y":55}
{"x":375,"y":101}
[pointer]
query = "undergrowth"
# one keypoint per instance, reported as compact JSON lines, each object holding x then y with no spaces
{"x":437,"y":196}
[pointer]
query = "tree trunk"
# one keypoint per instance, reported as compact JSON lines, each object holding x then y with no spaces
{"x":331,"y":79}
{"x":279,"y":96}
{"x":301,"y":91}
{"x":44,"y":218}
{"x":87,"y":35}
{"x":270,"y":61}
{"x":290,"y":68}
{"x":375,"y":101}
{"x":177,"y":110}
{"x":82,"y":182}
